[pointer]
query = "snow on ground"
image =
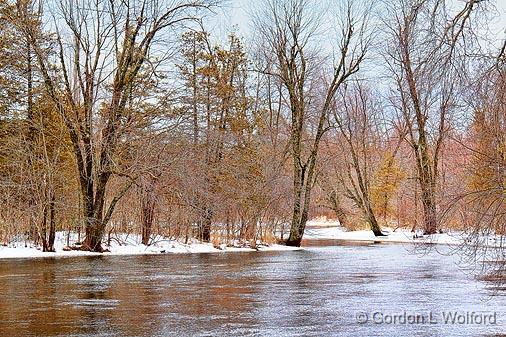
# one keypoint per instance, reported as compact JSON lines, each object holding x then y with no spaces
{"x":400,"y":235}
{"x":316,"y":229}
{"x":332,"y":230}
{"x":130,"y":245}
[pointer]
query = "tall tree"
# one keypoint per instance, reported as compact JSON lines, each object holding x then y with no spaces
{"x":288,"y":28}
{"x":217,"y":105}
{"x":359,"y":135}
{"x":97,"y":71}
{"x":426,"y":58}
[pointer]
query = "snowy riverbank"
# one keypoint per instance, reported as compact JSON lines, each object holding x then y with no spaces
{"x":316,"y":230}
{"x":331,"y":230}
{"x":127,"y":245}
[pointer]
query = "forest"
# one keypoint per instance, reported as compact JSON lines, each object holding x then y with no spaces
{"x":140,"y":117}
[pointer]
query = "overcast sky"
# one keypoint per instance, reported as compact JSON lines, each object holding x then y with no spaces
{"x":236,"y":14}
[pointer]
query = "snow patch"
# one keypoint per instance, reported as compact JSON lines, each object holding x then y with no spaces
{"x":329,"y":230}
{"x":124,"y":244}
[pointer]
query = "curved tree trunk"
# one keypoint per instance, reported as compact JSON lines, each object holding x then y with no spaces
{"x":373,"y":223}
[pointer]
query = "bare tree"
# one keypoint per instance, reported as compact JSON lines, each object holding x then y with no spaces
{"x":102,"y":49}
{"x":426,"y":58}
{"x":480,"y":205}
{"x":289,"y":28}
{"x":360,"y":133}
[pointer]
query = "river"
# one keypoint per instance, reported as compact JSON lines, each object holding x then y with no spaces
{"x":327,"y":289}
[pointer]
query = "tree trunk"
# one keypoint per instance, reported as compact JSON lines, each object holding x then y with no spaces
{"x":303,"y":184}
{"x":147,"y":223}
{"x":300,"y":216}
{"x":297,"y":227}
{"x":373,"y":223}
{"x":250,"y":232}
{"x":429,"y":210}
{"x":427,"y":173}
{"x":148,"y":212}
{"x":48,"y":234}
{"x":94,"y":234}
{"x":335,"y":204}
{"x":297,"y":230}
{"x":43,"y":229}
{"x":94,"y":202}
{"x":205,"y":230}
{"x":52,"y":224}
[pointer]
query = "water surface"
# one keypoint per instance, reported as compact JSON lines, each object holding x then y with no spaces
{"x":318,"y":291}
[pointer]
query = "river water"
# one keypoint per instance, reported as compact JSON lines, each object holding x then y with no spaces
{"x":319,"y":291}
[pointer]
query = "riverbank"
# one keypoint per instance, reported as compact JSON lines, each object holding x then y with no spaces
{"x":124,"y":244}
{"x":129,"y":245}
{"x":331,"y":230}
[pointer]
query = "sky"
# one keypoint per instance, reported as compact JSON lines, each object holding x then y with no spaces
{"x":236,"y":16}
{"x":499,"y":25}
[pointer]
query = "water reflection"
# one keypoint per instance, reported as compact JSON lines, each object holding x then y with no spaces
{"x":312,"y":292}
